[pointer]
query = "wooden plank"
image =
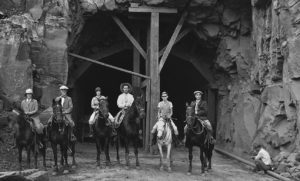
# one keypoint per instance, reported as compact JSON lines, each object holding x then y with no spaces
{"x":154,"y":69}
{"x":136,"y":81}
{"x":110,"y":66}
{"x":130,"y":37}
{"x":147,"y":9}
{"x":179,"y":37}
{"x":116,"y":48}
{"x":172,"y":41}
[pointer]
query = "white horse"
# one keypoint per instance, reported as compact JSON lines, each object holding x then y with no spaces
{"x":164,"y":138}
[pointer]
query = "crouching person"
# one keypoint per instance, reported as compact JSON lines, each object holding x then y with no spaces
{"x":262,"y":160}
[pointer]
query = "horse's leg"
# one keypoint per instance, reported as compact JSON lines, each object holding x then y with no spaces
{"x":209,"y":155}
{"x":44,"y":155}
{"x":161,"y":166}
{"x":127,"y":153}
{"x":65,"y":156}
{"x":73,"y":155}
{"x":202,"y":158}
{"x":190,"y":159}
{"x":20,"y":148}
{"x":28,"y":149}
{"x":35,"y":152}
{"x":98,"y":151}
{"x":107,"y":151}
{"x":169,"y":147}
{"x":117,"y":148}
{"x":54,"y":149}
{"x":136,"y":152}
{"x":61,"y":156}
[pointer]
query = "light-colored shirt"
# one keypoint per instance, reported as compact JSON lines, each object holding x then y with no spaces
{"x":165,"y":109}
{"x":29,"y":106}
{"x":264,"y":156}
{"x":125,"y":100}
{"x":62,"y":101}
{"x":196,"y":107}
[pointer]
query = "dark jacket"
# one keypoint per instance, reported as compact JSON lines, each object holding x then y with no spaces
{"x":201,"y":109}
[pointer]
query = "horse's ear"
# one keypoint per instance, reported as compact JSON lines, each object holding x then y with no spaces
{"x":186,"y":104}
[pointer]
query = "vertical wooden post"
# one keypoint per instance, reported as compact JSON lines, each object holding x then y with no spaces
{"x":136,"y":81}
{"x":154,"y":68}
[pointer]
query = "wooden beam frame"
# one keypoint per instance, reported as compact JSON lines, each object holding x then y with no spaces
{"x":116,"y":48}
{"x":130,"y":37}
{"x":179,"y":37}
{"x":136,"y":81}
{"x":172,"y":41}
{"x":107,"y":65}
{"x":148,"y":9}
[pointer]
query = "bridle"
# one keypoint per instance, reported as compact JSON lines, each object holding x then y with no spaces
{"x":58,"y":110}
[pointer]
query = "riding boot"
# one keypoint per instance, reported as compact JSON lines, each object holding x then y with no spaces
{"x":91,"y":131}
{"x":209,"y":137}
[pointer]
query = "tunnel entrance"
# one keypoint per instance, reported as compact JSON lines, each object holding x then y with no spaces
{"x":107,"y":44}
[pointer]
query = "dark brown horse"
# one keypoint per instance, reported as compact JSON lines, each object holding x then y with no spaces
{"x":128,"y":130}
{"x":102,"y":131}
{"x":58,"y":133}
{"x":26,"y":137}
{"x":196,"y":136}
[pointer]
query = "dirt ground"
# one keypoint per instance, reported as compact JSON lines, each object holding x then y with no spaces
{"x":224,"y":169}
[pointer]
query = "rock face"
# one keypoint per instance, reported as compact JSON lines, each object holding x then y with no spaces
{"x":255,"y":64}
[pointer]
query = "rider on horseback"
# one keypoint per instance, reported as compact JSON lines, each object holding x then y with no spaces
{"x":201,"y":114}
{"x":95,"y":105}
{"x":67,"y":107}
{"x":165,"y":112}
{"x":30,"y":108}
{"x":124,"y":101}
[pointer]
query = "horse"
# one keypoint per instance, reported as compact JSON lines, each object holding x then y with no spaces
{"x":165,"y":137}
{"x":102,"y":131}
{"x":128,"y":130}
{"x":58,"y":133}
{"x":196,"y":136}
{"x":26,"y":137}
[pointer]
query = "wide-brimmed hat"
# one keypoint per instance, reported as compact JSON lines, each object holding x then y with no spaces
{"x":63,"y":87}
{"x":97,"y":89}
{"x":124,"y":84}
{"x":28,"y":91}
{"x":197,"y":91}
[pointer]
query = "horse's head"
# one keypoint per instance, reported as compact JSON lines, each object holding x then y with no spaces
{"x":58,"y":117}
{"x":139,"y":103}
{"x":103,"y":108}
{"x":190,"y":115}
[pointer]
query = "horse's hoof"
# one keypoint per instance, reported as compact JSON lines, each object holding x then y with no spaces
{"x":54,"y":173}
{"x":73,"y":166}
{"x":66,"y":171}
{"x":161,"y":168}
{"x":169,"y":169}
{"x":189,"y":173}
{"x":127,"y":167}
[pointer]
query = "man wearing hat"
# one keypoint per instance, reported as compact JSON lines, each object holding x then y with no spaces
{"x":30,"y":108}
{"x":165,"y":112}
{"x":95,"y":106}
{"x":201,"y":113}
{"x":67,"y":107}
{"x":124,"y":100}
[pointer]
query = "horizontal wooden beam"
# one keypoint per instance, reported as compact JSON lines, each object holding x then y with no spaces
{"x":107,"y":65}
{"x":172,"y":41}
{"x":116,"y":48}
{"x":130,"y":37}
{"x":147,"y":9}
{"x":179,"y":37}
